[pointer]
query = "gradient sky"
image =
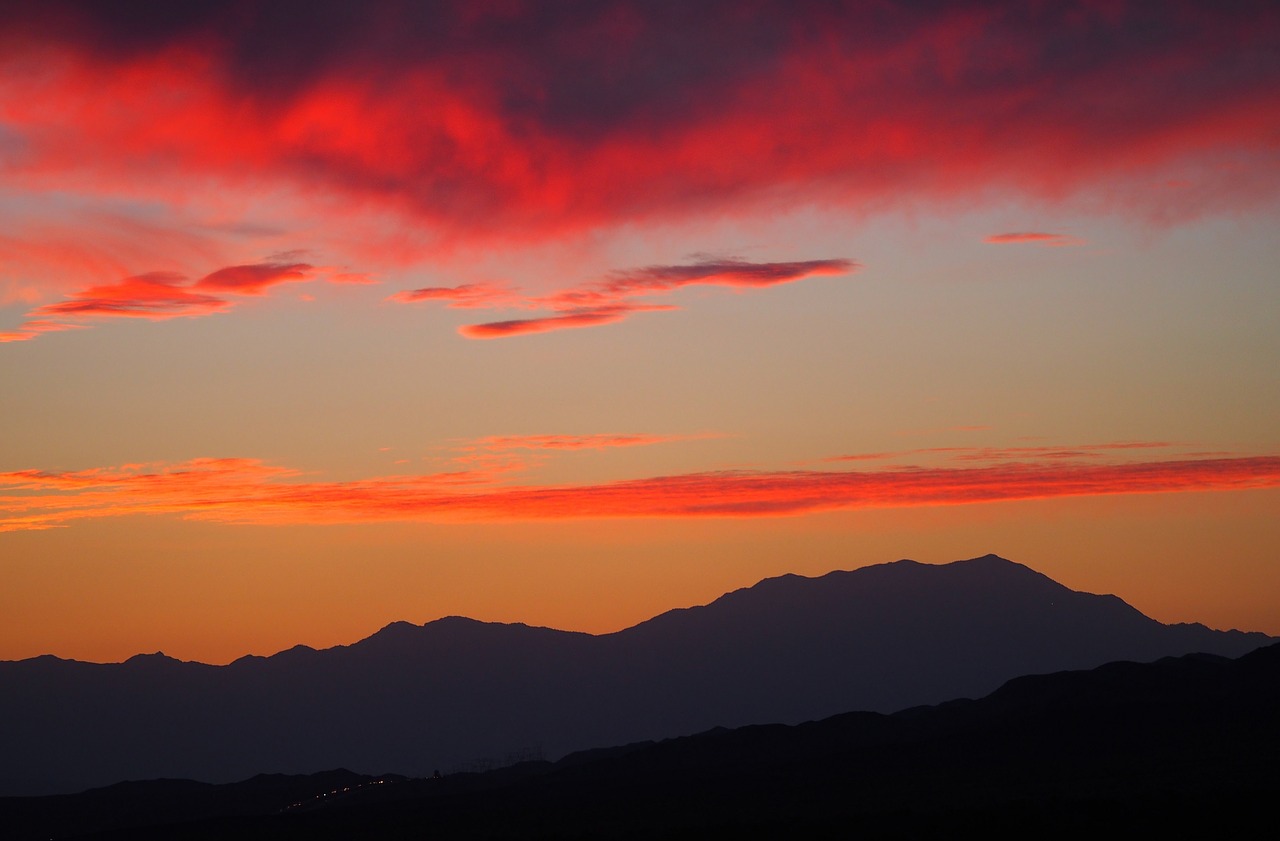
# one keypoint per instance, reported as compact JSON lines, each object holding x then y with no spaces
{"x":316,"y":315}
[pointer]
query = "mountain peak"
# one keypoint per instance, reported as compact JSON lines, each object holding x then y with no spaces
{"x":397,"y":628}
{"x":158,"y":658}
{"x":988,"y":558}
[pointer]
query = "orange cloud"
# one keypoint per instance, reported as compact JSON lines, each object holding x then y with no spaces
{"x":1036,"y":238}
{"x":247,"y":491}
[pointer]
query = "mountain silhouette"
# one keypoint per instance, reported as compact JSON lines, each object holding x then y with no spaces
{"x":1183,"y":747}
{"x":460,"y":693}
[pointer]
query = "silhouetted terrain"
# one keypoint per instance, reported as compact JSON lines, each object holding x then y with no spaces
{"x":411,"y":699}
{"x":1184,"y":747}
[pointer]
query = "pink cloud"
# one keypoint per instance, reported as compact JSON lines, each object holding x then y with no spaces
{"x":249,"y":491}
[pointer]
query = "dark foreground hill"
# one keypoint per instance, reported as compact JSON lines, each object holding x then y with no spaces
{"x":1184,"y":747}
{"x":411,"y":699}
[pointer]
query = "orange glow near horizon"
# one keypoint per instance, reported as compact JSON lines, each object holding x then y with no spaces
{"x":338,"y":584}
{"x":246,"y":491}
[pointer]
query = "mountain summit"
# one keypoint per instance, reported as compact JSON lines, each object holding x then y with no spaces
{"x":456,"y":692}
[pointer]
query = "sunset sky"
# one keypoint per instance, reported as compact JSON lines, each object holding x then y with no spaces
{"x":315,"y":316}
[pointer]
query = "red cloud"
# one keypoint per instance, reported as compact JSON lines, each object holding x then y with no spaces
{"x":521,"y":121}
{"x":157,"y":295}
{"x":1037,"y":238}
{"x":248,"y":491}
{"x":255,"y":278}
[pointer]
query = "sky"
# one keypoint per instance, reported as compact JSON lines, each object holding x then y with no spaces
{"x":316,"y":316}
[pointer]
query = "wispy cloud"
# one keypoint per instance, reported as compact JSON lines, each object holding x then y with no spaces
{"x":611,"y":299}
{"x":512,"y":454}
{"x":247,"y":491}
{"x":590,"y":317}
{"x":1004,"y":454}
{"x":708,"y":272}
{"x":159,"y":296}
{"x":1035,"y":238}
{"x":35,"y":328}
{"x":466,"y":296}
{"x":593,"y":441}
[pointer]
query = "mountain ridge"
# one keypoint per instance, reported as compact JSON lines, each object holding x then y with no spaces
{"x":413,"y":698}
{"x":400,"y":626}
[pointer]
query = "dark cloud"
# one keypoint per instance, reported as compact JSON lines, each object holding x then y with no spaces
{"x":580,"y":318}
{"x":518,"y":120}
{"x":721,"y":272}
{"x":607,"y":301}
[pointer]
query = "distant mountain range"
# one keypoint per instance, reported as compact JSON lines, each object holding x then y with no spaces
{"x":459,"y":693}
{"x":1183,"y":747}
